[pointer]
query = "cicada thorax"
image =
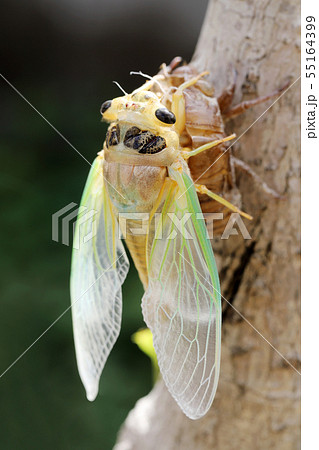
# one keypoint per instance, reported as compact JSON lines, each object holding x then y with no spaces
{"x":133,"y":168}
{"x":204,"y":123}
{"x":132,"y":137}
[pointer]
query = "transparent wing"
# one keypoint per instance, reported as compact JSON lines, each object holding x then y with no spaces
{"x":182,"y":303}
{"x":99,"y":267}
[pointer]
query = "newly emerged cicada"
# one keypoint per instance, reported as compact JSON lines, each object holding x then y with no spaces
{"x":143,"y":169}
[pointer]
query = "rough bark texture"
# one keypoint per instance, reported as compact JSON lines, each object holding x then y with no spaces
{"x":257,"y":401}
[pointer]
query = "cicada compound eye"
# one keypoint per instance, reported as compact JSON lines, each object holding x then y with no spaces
{"x":165,"y":116}
{"x":106,"y":105}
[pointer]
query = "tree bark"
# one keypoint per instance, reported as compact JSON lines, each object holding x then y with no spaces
{"x":257,"y":401}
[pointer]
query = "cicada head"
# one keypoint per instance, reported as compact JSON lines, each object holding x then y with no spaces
{"x":141,"y":130}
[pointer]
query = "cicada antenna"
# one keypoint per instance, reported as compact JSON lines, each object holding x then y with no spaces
{"x":148,"y":77}
{"x":120,"y":87}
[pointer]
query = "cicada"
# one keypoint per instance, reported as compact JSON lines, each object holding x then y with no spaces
{"x":143,"y":169}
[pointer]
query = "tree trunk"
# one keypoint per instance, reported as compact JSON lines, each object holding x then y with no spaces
{"x":257,"y":400}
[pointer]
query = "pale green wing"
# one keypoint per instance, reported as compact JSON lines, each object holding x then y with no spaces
{"x":99,"y":267}
{"x":182,"y":303}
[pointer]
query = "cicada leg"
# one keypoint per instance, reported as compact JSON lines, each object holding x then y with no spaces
{"x":187,"y":154}
{"x":202,"y":189}
{"x":172,"y":65}
{"x":243,"y":106}
{"x":178,"y":102}
{"x":226,"y":97}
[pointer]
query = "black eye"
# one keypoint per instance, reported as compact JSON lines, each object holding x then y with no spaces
{"x":164,"y":115}
{"x":105,"y":106}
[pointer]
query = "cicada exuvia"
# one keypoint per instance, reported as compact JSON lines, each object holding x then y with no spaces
{"x":143,"y":169}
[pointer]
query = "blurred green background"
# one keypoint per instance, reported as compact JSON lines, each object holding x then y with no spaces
{"x":63,"y":57}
